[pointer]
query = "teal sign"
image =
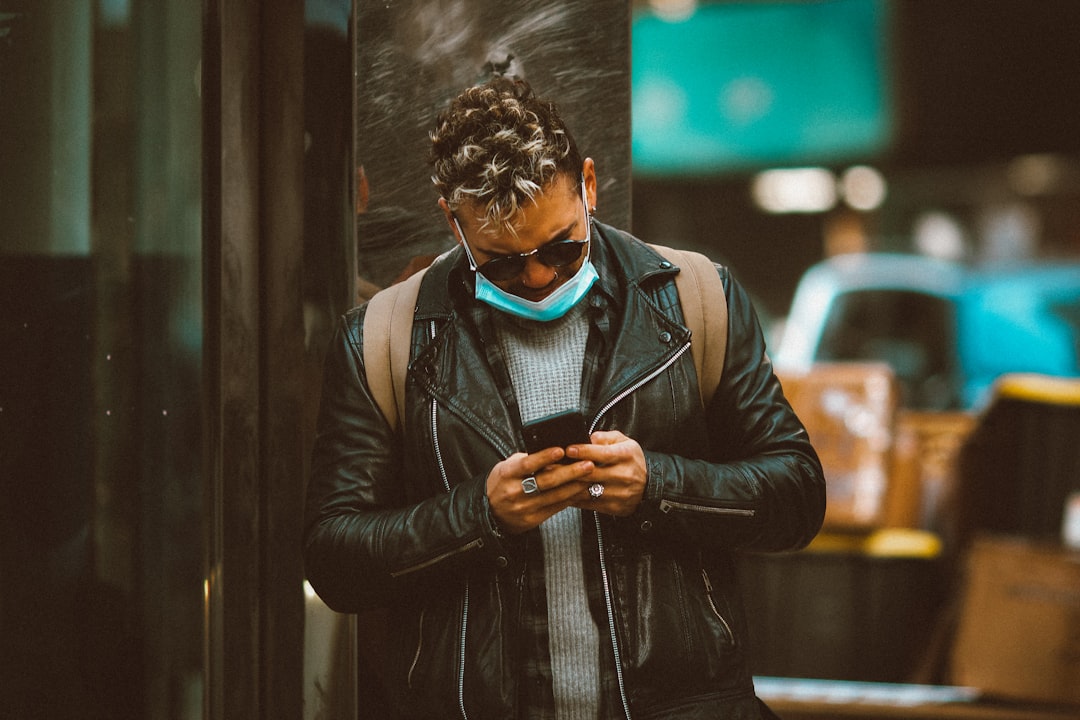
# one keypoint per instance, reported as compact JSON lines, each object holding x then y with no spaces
{"x":740,"y":86}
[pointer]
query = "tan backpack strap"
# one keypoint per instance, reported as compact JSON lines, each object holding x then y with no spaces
{"x":387,"y":342}
{"x":704,"y":306}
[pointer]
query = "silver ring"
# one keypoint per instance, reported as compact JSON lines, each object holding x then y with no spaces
{"x":596,"y":490}
{"x":529,"y":486}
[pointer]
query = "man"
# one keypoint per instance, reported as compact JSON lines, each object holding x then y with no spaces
{"x":522,"y":586}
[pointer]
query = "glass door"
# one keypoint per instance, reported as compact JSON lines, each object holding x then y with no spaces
{"x":101,"y":537}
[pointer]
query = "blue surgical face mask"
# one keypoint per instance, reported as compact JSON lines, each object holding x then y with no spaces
{"x":555,"y":305}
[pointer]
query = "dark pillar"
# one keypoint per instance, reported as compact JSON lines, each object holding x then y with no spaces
{"x":252,"y":85}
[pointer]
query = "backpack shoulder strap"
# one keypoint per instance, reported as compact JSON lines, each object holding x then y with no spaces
{"x":704,"y":306}
{"x":387,"y":343}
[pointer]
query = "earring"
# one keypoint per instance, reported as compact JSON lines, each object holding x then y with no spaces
{"x":592,"y":209}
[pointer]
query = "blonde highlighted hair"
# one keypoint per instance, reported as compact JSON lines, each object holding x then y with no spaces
{"x":497,"y":146}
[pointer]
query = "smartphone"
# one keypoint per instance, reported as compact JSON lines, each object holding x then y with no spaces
{"x":559,"y":430}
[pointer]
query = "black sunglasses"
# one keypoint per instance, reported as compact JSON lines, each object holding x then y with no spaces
{"x":555,"y":254}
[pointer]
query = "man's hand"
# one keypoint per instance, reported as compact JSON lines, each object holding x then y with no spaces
{"x":556,"y":487}
{"x":609,"y":477}
{"x":620,"y":471}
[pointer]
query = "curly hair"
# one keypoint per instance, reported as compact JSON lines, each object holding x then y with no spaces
{"x":498,"y":145}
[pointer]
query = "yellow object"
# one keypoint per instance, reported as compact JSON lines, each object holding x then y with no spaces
{"x":888,"y":542}
{"x":1039,"y":388}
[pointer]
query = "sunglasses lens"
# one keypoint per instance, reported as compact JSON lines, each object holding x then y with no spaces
{"x":503,"y":268}
{"x":555,"y":254}
{"x":558,"y":254}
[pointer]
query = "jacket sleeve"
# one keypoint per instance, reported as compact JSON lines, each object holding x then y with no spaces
{"x":762,"y":486}
{"x":366,"y":544}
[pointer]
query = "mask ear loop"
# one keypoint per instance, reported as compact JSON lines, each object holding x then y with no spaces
{"x":465,"y":244}
{"x":588,"y":220}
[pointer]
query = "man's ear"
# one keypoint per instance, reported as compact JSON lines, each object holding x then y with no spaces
{"x":450,"y":219}
{"x":588,"y":176}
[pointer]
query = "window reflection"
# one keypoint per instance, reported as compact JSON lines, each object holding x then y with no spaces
{"x":100,"y":340}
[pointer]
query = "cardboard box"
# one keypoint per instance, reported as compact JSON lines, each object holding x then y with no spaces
{"x":1019,"y":631}
{"x":923,"y":478}
{"x":849,"y":410}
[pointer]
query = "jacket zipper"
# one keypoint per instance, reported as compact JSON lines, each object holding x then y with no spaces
{"x":472,"y":544}
{"x":608,"y":602}
{"x":669,"y":505}
{"x":615,"y":400}
{"x":716,"y":610}
{"x":479,"y":542}
{"x":461,"y":660}
{"x":419,"y":646}
{"x":610,"y":607}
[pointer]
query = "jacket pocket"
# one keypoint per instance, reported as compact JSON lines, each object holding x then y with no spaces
{"x":678,"y":638}
{"x":711,"y":597}
{"x":417,"y":652}
{"x":427,"y":657}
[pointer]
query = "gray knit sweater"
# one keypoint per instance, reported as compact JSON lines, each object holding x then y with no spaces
{"x":545,"y":360}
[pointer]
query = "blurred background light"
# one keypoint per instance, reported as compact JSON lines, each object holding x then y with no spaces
{"x":940,"y":235}
{"x":1036,"y":174}
{"x":863,"y":187}
{"x":1009,"y":232}
{"x":796,"y":190}
{"x":660,"y":102}
{"x":673,"y":10}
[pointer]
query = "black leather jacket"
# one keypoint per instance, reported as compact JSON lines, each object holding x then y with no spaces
{"x":400,"y":522}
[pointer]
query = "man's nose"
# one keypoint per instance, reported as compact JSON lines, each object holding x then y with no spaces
{"x":536,"y":274}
